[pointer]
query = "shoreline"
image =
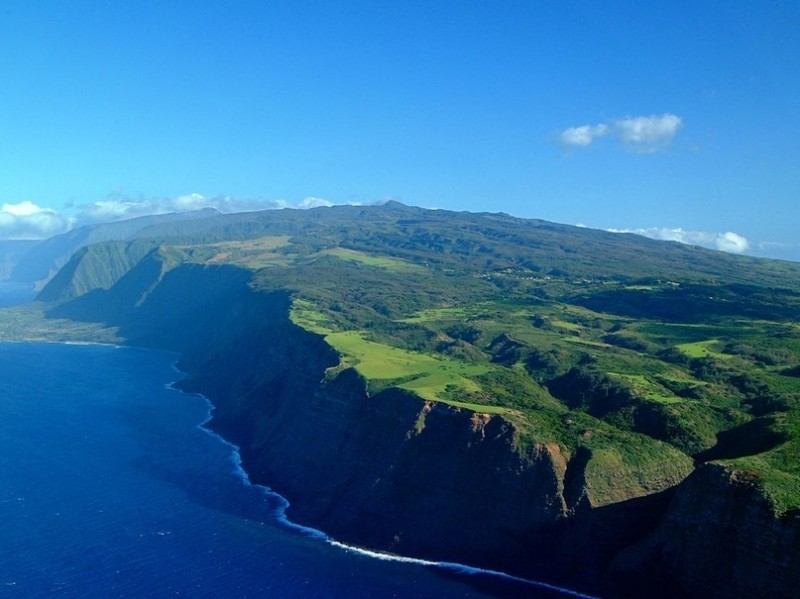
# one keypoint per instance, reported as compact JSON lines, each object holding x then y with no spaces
{"x":280,"y":516}
{"x":279,"y":512}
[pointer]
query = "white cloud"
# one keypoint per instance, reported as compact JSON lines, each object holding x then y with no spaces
{"x":640,"y":134}
{"x":23,"y":209}
{"x":583,"y":135}
{"x":732,"y":242}
{"x":305,"y":203}
{"x":647,"y":134}
{"x":726,"y":242}
{"x":119,"y":208}
{"x":27,"y":220}
{"x":313,"y":202}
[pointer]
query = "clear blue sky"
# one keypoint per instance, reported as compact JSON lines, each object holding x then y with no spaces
{"x":627,"y":115}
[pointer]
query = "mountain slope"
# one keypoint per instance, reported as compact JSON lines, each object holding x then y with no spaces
{"x":399,"y":372}
{"x":44,"y":258}
{"x":463,"y":240}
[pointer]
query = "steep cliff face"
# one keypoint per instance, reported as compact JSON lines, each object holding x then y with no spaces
{"x":719,"y":538}
{"x":387,"y":471}
{"x":395,"y":473}
{"x":95,"y":267}
{"x":392,"y":472}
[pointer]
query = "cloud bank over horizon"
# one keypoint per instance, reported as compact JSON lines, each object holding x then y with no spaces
{"x":27,"y":220}
{"x":639,"y":135}
{"x":120,"y":207}
{"x":727,"y":242}
{"x":30,"y":221}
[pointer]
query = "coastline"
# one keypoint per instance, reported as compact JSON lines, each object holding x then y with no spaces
{"x":82,"y":337}
{"x":280,"y":516}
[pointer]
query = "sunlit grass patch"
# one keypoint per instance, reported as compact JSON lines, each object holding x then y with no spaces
{"x":686,"y":333}
{"x":475,"y":407}
{"x":639,"y":287}
{"x":644,"y":388}
{"x":380,"y":261}
{"x":702,"y":349}
{"x":782,"y":488}
{"x":268,"y":243}
{"x":304,"y":314}
{"x":447,"y":314}
{"x":563,"y":324}
{"x":630,"y":465}
{"x":585,"y":342}
{"x":426,"y":375}
{"x":505,"y":310}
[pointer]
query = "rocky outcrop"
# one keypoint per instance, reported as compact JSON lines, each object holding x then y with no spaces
{"x":720,"y":537}
{"x":394,"y":473}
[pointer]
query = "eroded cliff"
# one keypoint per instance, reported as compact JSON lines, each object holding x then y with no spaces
{"x":719,"y":538}
{"x":393,"y":472}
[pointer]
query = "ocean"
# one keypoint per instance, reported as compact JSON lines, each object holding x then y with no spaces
{"x":111,"y":487}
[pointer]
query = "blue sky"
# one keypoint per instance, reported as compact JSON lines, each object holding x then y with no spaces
{"x":675,"y":119}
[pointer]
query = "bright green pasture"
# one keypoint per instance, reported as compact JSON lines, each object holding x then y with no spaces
{"x":563,"y":324}
{"x":305,"y":315}
{"x":427,"y":376}
{"x":683,"y":333}
{"x":269,"y":243}
{"x":386,"y":262}
{"x":643,"y":387}
{"x":505,"y":310}
{"x":448,"y":314}
{"x":701,"y":349}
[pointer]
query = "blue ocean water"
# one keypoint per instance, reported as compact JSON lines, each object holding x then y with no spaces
{"x":110,"y":487}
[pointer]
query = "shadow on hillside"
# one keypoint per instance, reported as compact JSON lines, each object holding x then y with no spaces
{"x":756,"y":436}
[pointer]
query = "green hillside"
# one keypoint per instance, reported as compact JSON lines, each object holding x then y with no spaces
{"x":603,"y":404}
{"x":582,"y":337}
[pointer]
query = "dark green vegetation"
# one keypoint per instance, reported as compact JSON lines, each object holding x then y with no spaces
{"x":632,"y":361}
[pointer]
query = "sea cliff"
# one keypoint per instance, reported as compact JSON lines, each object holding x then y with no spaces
{"x":387,"y":471}
{"x":393,"y":472}
{"x":720,"y":538}
{"x":613,"y":513}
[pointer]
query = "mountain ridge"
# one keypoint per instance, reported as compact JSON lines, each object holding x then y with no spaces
{"x":625,"y":373}
{"x":44,"y":258}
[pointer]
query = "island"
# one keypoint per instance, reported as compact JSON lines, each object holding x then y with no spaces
{"x":597,"y":410}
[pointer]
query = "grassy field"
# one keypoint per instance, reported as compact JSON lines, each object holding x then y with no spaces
{"x":269,"y":251}
{"x":702,"y":349}
{"x":456,"y":313}
{"x":426,"y":375}
{"x":304,"y":314}
{"x":552,"y":326}
{"x":386,"y":262}
{"x":643,"y":387}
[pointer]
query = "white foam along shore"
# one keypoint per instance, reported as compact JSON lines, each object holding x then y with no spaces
{"x":280,"y":515}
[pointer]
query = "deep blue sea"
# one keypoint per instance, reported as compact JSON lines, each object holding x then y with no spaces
{"x":110,"y":487}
